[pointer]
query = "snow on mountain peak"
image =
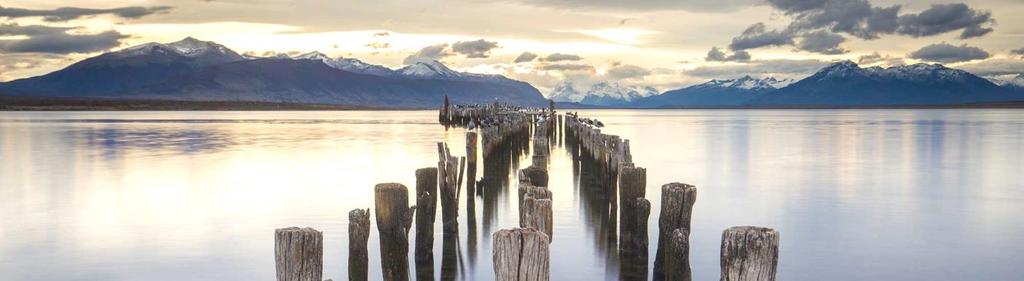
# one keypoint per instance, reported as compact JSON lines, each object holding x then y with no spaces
{"x":188,"y":47}
{"x":748,"y":83}
{"x":601,"y":93}
{"x":429,"y":69}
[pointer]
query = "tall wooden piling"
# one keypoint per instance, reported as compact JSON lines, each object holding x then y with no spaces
{"x":676,"y":210}
{"x":298,"y":254}
{"x":749,"y":253}
{"x":677,"y":256}
{"x":634,"y":213}
{"x":426,"y":206}
{"x":521,"y":255}
{"x":394,"y":218}
{"x":358,"y":236}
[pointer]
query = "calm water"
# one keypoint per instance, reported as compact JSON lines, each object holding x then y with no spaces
{"x":855,"y":194}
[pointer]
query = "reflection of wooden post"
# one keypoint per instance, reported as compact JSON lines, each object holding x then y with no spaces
{"x":394,"y":217}
{"x":677,"y":257}
{"x":358,"y":235}
{"x":521,"y":254}
{"x":470,"y":172}
{"x":676,"y":209}
{"x":749,"y":253}
{"x":299,"y":254}
{"x":426,"y":206}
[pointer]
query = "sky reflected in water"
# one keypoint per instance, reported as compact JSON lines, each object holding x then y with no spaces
{"x":855,"y":194}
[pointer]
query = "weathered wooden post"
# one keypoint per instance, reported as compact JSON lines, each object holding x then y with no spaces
{"x":676,"y":210}
{"x":358,"y":235}
{"x":394,"y":218}
{"x":535,"y":209}
{"x":449,"y":172}
{"x":634,"y":213}
{"x":426,"y":206}
{"x":749,"y":253}
{"x":521,"y":255}
{"x":677,"y":257}
{"x":299,"y":254}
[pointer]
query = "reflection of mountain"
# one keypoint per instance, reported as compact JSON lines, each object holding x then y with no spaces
{"x":193,"y":70}
{"x":113,"y":140}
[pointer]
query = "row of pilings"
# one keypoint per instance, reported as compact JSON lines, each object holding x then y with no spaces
{"x":504,"y":133}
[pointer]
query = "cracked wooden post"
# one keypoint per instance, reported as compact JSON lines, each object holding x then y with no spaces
{"x":298,"y":254}
{"x":677,"y":257}
{"x":521,"y":255}
{"x":394,"y":218}
{"x":426,"y":205}
{"x":358,"y":235}
{"x":535,"y":209}
{"x":676,"y":210}
{"x":749,"y":253}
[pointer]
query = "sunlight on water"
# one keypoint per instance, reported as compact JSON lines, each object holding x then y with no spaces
{"x":855,"y":194}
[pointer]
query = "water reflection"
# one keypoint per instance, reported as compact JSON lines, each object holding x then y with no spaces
{"x":196,"y":195}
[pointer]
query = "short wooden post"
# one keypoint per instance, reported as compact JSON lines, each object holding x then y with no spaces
{"x":677,"y":257}
{"x":676,"y":210}
{"x":749,"y":253}
{"x":299,"y":254}
{"x":535,"y":210}
{"x":634,"y":211}
{"x":394,"y":218}
{"x":521,"y":255}
{"x":426,"y":206}
{"x":358,"y":235}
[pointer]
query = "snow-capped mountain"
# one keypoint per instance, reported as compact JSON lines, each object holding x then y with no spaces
{"x":715,"y":93}
{"x":348,"y":64}
{"x":194,"y":70}
{"x":602,"y":93}
{"x":1008,"y":81}
{"x":747,"y":83}
{"x":847,"y":84}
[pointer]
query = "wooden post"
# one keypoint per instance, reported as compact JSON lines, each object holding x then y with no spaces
{"x":521,"y":255}
{"x":536,"y":176}
{"x":535,"y":209}
{"x":749,"y":253}
{"x":394,"y":218}
{"x":449,"y":170}
{"x":676,"y":210}
{"x":299,"y":254}
{"x":426,"y":205}
{"x":677,"y":260}
{"x":358,"y":235}
{"x":634,"y":212}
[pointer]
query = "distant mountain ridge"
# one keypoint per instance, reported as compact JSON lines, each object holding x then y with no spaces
{"x":602,"y":93}
{"x":194,"y":70}
{"x":715,"y":93}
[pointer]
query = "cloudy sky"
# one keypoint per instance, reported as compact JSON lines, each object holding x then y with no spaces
{"x":660,"y":43}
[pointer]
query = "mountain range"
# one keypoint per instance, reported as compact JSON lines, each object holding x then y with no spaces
{"x":194,"y":70}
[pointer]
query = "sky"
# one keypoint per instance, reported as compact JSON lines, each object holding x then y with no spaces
{"x":659,"y":43}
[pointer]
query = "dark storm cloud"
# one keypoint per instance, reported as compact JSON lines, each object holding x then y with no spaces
{"x":859,"y":18}
{"x":946,"y":53}
{"x":716,"y":54}
{"x":942,"y":18}
{"x":562,"y":57}
{"x":757,"y":36}
{"x":525,"y":57}
{"x":822,"y":42}
{"x":428,"y":53}
{"x":70,"y":13}
{"x":55,"y":40}
{"x":626,"y":71}
{"x":474,"y":49}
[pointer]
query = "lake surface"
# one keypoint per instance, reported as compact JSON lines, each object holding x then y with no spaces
{"x":855,"y":194}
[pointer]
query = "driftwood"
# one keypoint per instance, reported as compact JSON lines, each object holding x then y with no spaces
{"x":521,"y":255}
{"x":426,"y":208}
{"x":749,"y":253}
{"x":394,"y":218}
{"x":358,"y":235}
{"x":298,"y":254}
{"x":677,"y":256}
{"x":676,"y":210}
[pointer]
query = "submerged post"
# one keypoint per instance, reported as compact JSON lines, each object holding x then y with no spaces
{"x":426,"y":205}
{"x":676,"y":211}
{"x":394,"y":218}
{"x":299,"y":254}
{"x":749,"y":253}
{"x":521,"y":255}
{"x":358,"y":235}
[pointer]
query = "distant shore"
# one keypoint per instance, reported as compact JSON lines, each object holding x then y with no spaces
{"x":21,"y":104}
